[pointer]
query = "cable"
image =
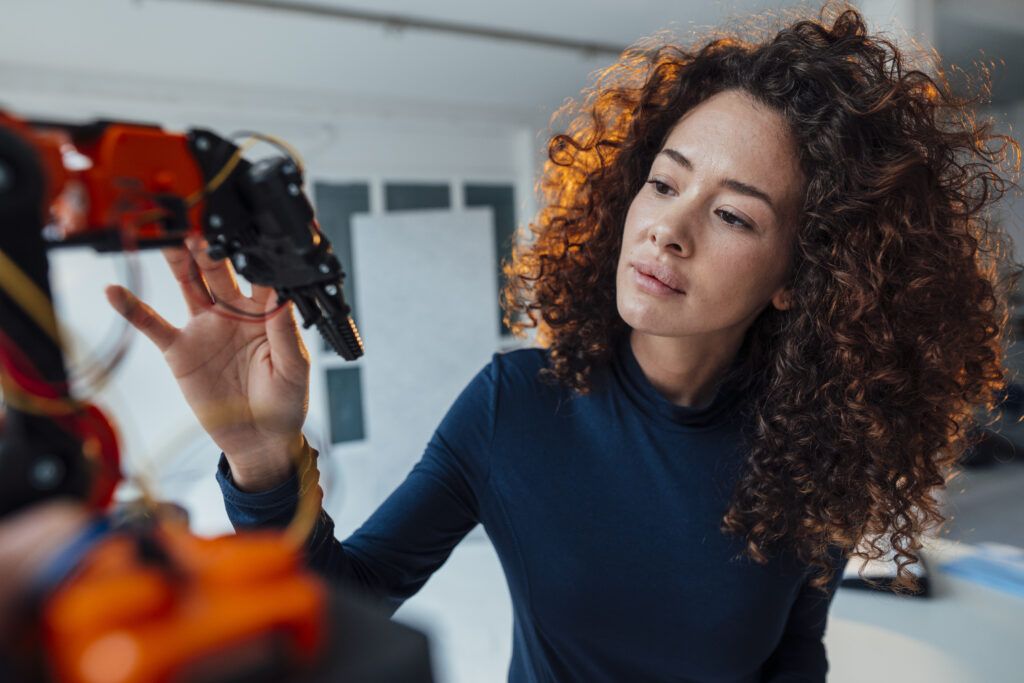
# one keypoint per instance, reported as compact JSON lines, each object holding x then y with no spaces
{"x":27,"y":295}
{"x":218,"y":179}
{"x":23,"y":388}
{"x":287,"y":149}
{"x":236,"y":412}
{"x":98,"y":372}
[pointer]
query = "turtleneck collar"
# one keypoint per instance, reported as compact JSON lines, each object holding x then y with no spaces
{"x":640,"y":390}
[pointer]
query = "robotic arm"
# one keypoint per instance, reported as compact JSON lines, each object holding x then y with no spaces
{"x":150,"y":602}
{"x":120,"y":185}
{"x":117,"y":186}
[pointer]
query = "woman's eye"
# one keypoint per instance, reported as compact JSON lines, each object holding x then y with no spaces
{"x":732,"y":219}
{"x":659,"y":187}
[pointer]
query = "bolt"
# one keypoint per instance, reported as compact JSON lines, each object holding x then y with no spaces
{"x":331,"y":290}
{"x":47,"y":472}
{"x":293,"y":189}
{"x":6,"y":177}
{"x":216,"y":251}
{"x":324,"y":268}
{"x":202,"y":144}
{"x":289,"y":168}
{"x":215,"y":221}
{"x":240,"y":261}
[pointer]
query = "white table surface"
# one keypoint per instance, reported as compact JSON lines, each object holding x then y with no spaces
{"x":964,"y":632}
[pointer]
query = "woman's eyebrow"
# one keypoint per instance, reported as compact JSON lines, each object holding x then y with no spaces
{"x":735,"y":185}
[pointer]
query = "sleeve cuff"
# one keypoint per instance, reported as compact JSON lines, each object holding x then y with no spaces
{"x":275,"y":507}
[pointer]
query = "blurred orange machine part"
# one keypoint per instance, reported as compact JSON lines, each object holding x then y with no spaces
{"x":168,"y":606}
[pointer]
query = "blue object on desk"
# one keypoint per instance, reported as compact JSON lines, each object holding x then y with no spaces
{"x":999,"y":567}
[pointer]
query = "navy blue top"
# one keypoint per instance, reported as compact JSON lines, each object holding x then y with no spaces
{"x":604,"y":511}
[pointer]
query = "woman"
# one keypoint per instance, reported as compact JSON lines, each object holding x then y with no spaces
{"x":766,"y":286}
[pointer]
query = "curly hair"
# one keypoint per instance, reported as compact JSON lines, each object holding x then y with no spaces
{"x":860,"y":396}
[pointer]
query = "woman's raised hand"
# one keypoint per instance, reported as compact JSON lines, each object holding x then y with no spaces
{"x":247,"y":381}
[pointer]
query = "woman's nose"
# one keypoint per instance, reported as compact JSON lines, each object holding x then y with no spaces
{"x":673,"y":233}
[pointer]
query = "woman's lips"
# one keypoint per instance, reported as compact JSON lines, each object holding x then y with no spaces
{"x":654,"y":278}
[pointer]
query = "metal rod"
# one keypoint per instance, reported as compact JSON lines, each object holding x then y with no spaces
{"x":402,"y":22}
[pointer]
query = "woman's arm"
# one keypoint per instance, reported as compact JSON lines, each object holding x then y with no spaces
{"x":414,"y":531}
{"x":247,"y":382}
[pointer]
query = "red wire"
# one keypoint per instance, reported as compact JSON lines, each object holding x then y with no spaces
{"x":232,"y":313}
{"x":25,"y":375}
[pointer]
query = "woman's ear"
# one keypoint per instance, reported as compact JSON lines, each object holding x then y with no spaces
{"x":783,"y":299}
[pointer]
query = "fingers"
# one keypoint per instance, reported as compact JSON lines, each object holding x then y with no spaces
{"x":142,"y":317}
{"x":262,"y":295}
{"x":288,"y":351}
{"x":202,"y":279}
{"x":186,"y":272}
{"x":219,"y":275}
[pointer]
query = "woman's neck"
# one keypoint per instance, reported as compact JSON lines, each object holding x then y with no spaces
{"x":685,"y":373}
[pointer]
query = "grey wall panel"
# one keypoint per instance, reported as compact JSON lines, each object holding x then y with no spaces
{"x":427,"y":298}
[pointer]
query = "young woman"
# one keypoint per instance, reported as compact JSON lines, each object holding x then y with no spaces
{"x":766,"y":287}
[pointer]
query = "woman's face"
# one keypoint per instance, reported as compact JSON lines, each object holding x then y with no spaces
{"x":707,"y":240}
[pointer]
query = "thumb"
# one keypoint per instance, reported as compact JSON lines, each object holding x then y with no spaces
{"x":141,"y":317}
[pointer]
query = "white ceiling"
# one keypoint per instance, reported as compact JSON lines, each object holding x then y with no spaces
{"x":310,"y":59}
{"x":613,"y":21}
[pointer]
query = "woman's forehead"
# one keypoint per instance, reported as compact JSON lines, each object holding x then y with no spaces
{"x":732,"y":136}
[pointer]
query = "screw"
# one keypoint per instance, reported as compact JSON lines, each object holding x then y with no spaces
{"x":47,"y":472}
{"x":331,"y":290}
{"x":293,"y":189}
{"x":215,"y":221}
{"x":324,"y":268}
{"x":202,"y":144}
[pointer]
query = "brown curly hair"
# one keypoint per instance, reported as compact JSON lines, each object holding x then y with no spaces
{"x":861,"y":395}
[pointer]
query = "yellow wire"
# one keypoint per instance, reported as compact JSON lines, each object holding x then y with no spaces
{"x":28,"y":296}
{"x":217,"y":180}
{"x":24,"y":292}
{"x":292,"y":152}
{"x":308,"y":507}
{"x":222,"y":175}
{"x":236,"y":412}
{"x":26,"y":402}
{"x":38,"y":306}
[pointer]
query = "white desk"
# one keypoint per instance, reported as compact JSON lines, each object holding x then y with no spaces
{"x":964,"y":633}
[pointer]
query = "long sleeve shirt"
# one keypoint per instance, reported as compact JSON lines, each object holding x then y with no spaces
{"x":604,"y":510}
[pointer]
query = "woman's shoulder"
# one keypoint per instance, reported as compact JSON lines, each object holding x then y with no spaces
{"x":505,"y":387}
{"x":528,"y":360}
{"x":518,"y":371}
